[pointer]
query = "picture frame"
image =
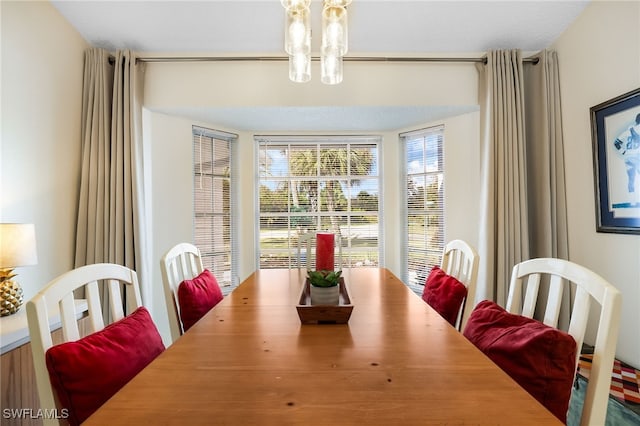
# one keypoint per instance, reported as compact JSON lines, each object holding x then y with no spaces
{"x":615,"y":127}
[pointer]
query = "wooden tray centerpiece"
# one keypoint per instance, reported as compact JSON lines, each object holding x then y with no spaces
{"x":324,"y":313}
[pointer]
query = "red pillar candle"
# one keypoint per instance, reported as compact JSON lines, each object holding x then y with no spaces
{"x":324,"y":251}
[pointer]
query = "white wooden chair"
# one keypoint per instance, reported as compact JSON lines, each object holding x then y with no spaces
{"x":181,"y":262}
{"x":460,"y":260}
{"x":305,"y":254}
{"x":589,"y":287}
{"x":59,"y":293}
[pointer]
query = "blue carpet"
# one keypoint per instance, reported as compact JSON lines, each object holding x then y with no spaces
{"x":617,"y":413}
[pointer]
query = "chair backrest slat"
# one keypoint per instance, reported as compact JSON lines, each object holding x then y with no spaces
{"x":68,"y":318}
{"x":580,"y":317}
{"x":134,"y":298}
{"x":117,"y":311}
{"x":94,"y":307}
{"x":533,"y":288}
{"x":552,"y":313}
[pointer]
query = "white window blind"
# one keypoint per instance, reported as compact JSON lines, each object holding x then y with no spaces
{"x":424,"y":203}
{"x":214,"y":204}
{"x":309,"y":184}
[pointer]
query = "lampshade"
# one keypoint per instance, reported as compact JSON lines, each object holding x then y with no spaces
{"x":17,"y":245}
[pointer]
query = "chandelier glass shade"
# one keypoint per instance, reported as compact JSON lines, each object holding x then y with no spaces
{"x":331,"y":68}
{"x":300,"y":67}
{"x":297,"y":36}
{"x":297,"y":43}
{"x":334,"y":30}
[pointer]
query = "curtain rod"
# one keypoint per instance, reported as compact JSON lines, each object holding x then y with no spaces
{"x":314,"y":58}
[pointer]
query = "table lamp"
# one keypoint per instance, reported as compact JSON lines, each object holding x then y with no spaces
{"x":17,"y":248}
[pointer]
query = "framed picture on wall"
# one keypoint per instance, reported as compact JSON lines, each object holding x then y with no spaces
{"x":615,"y":127}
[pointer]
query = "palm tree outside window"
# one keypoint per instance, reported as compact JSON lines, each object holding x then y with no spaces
{"x":308,"y":184}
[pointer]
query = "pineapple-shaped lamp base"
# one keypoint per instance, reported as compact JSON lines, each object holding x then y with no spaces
{"x":10,"y":293}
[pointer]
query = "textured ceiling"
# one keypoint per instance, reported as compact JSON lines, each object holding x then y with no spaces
{"x":374,"y":26}
{"x":385,"y":28}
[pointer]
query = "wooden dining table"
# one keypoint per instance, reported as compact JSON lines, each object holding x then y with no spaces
{"x":250,"y":361}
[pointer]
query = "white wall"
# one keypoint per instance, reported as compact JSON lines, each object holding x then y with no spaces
{"x":242,"y":84}
{"x":267,"y":84}
{"x":42,"y":60}
{"x":599,"y":58}
{"x":462,"y":178}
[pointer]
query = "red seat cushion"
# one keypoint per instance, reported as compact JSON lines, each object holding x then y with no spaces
{"x":540,"y":358}
{"x":444,"y":293}
{"x":86,"y":373}
{"x":196,"y":297}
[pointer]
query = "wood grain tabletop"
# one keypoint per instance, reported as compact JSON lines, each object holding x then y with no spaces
{"x":250,"y":361}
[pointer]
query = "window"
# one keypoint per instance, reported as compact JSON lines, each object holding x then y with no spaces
{"x":424,"y":201}
{"x":214,"y":204}
{"x":309,"y":184}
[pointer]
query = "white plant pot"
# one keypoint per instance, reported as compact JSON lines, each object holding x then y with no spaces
{"x":325,"y":295}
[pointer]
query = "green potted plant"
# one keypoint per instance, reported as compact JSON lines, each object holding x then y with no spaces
{"x":324,"y":287}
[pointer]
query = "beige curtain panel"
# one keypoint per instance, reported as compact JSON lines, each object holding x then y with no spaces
{"x":504,"y":234}
{"x":548,"y":230}
{"x":111,"y":202}
{"x":523,"y":201}
{"x":545,"y":159}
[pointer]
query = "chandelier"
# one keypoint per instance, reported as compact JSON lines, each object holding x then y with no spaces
{"x":297,"y":39}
